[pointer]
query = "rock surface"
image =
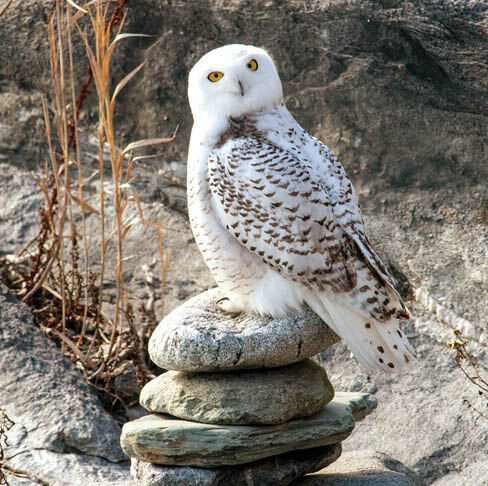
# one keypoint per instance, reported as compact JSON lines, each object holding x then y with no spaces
{"x":282,"y":469}
{"x":197,"y":336}
{"x":474,"y":473}
{"x":163,"y":439}
{"x":424,"y":401}
{"x":396,"y":89}
{"x":270,"y":396}
{"x":62,"y":435}
{"x":362,"y":468}
{"x":44,"y":467}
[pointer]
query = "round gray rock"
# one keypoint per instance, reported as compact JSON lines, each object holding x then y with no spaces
{"x":197,"y":336}
{"x":282,"y":470}
{"x":277,"y":394}
{"x":162,"y":439}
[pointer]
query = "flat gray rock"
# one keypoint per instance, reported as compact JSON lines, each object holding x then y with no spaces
{"x":197,"y":336}
{"x":278,"y":394}
{"x":362,"y":468}
{"x":163,"y":439}
{"x":282,"y":470}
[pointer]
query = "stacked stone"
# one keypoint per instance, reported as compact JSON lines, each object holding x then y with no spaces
{"x":242,"y":400}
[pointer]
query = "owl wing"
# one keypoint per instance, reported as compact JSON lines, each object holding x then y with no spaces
{"x":345,"y":205}
{"x":300,"y":217}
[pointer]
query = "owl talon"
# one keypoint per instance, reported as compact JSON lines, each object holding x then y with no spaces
{"x":228,"y":306}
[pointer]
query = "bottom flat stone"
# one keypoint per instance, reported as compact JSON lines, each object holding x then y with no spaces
{"x":282,"y":470}
{"x":163,"y":439}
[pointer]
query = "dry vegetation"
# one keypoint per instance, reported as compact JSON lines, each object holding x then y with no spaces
{"x":471,"y":369}
{"x":54,"y":274}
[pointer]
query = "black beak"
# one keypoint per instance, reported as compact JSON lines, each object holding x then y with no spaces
{"x":242,"y":89}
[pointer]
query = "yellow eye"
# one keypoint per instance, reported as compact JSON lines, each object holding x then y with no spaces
{"x":252,"y":65}
{"x":215,"y":76}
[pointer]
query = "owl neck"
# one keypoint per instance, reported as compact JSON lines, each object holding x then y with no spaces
{"x":213,"y":131}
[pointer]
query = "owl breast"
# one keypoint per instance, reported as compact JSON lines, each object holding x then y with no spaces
{"x":237,"y":269}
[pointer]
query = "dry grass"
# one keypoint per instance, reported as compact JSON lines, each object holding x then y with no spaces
{"x":54,"y":274}
{"x":5,"y":7}
{"x":468,"y":365}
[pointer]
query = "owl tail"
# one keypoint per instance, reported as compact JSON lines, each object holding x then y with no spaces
{"x":374,"y":344}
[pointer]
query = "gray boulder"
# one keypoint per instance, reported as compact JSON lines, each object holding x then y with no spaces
{"x":197,"y":336}
{"x":20,"y":199}
{"x":282,"y":469}
{"x":474,"y":473}
{"x":62,"y":434}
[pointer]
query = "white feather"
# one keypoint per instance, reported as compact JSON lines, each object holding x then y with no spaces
{"x":305,"y":205}
{"x":372,"y":342}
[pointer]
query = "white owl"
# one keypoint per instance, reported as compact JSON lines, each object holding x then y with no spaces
{"x":275,"y":215}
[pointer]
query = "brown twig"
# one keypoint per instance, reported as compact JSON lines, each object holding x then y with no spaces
{"x":20,"y":474}
{"x":470,"y":368}
{"x":3,"y":9}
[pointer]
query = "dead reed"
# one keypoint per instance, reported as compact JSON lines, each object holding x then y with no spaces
{"x":55,"y":274}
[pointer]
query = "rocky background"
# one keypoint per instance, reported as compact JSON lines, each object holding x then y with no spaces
{"x":396,"y":88}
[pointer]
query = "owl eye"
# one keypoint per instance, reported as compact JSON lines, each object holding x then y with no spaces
{"x":252,"y":65}
{"x":215,"y":76}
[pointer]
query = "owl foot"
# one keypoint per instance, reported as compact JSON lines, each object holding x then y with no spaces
{"x":229,"y":306}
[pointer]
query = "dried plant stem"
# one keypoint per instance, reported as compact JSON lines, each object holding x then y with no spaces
{"x":100,"y":65}
{"x":55,"y":279}
{"x":69,"y":342}
{"x":57,"y":71}
{"x":103,"y":246}
{"x":2,"y":10}
{"x":41,"y":279}
{"x":75,"y":139}
{"x":20,"y":474}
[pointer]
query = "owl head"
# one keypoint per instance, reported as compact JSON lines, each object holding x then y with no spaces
{"x":232,"y":81}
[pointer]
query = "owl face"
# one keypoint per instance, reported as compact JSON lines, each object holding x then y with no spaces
{"x":233,"y":80}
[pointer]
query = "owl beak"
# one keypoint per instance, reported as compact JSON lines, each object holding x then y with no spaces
{"x":236,"y":87}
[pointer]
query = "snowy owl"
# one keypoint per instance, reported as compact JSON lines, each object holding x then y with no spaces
{"x":276,"y":217}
